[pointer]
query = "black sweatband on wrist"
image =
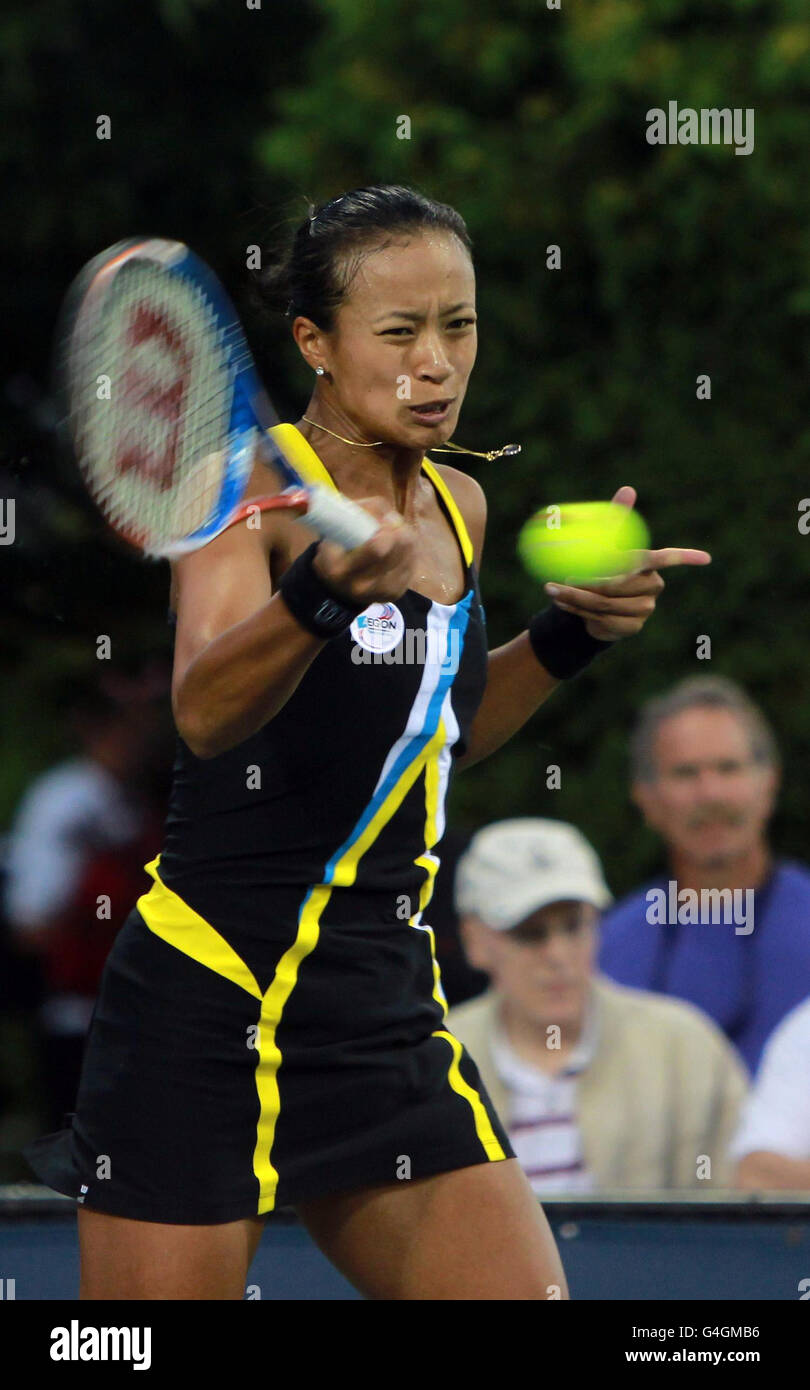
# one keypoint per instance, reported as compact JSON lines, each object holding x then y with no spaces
{"x":562,"y":643}
{"x":311,"y":602}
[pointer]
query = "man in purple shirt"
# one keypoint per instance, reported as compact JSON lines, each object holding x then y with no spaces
{"x":728,"y":926}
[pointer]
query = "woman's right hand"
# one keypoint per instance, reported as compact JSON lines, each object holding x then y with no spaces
{"x":380,"y":570}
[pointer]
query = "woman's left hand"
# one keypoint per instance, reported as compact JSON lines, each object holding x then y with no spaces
{"x":614,"y":608}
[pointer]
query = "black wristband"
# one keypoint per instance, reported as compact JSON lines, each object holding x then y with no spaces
{"x":561,"y":642}
{"x":311,"y":602}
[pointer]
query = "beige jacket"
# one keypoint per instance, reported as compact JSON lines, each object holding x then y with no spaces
{"x":665,"y":1086}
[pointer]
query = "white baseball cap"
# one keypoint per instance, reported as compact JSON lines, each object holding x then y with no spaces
{"x":512,"y":868}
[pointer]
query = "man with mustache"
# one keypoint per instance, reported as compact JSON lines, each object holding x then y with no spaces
{"x":705,"y":775}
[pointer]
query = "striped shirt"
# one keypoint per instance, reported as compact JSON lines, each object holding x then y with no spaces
{"x":542,"y":1123}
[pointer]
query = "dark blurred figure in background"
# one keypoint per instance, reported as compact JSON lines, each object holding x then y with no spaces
{"x":21,"y":1111}
{"x":75,"y":854}
{"x":706,"y":772}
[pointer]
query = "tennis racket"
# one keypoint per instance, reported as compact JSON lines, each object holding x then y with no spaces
{"x":163,"y":410}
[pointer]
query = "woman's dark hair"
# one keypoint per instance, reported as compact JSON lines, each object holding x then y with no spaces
{"x":313,"y":273}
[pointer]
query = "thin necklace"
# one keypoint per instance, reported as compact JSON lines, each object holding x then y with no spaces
{"x":437,"y":449}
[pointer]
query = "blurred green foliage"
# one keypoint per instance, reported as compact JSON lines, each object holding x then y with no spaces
{"x":676,"y":261}
{"x":186,"y":84}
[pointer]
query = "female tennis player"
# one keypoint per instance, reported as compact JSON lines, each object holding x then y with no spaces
{"x":270,"y":1029}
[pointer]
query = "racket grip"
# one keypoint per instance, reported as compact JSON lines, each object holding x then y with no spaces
{"x":338,"y":519}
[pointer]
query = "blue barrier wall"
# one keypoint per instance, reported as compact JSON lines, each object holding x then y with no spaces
{"x":616,"y":1252}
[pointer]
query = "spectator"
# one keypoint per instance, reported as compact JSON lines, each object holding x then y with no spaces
{"x":600,"y":1087}
{"x":728,"y":926}
{"x":80,"y":838}
{"x":21,"y":1113}
{"x":772,"y":1145}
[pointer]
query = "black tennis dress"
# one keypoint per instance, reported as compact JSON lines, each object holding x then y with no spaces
{"x":270,"y":1025}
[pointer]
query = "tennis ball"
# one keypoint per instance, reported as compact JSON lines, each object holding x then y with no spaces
{"x":582,"y":541}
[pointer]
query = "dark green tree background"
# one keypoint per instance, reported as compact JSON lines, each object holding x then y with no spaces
{"x":676,"y":261}
{"x":187,"y":85}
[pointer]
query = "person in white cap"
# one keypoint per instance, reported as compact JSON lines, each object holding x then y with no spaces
{"x":601,"y":1087}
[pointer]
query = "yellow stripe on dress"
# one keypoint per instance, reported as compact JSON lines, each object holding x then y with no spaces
{"x":305,"y":461}
{"x":168,"y":916}
{"x":483,"y":1126}
{"x":346,"y":868}
{"x":452,"y":507}
{"x":273,"y":1003}
{"x":301,"y":455}
{"x":430,"y":864}
{"x":270,"y":1058}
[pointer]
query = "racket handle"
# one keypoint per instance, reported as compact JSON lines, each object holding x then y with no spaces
{"x":338,"y":519}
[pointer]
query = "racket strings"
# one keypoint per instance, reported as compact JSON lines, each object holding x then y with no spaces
{"x":156,"y":442}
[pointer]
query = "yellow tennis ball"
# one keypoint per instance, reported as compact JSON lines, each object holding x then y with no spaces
{"x":582,"y":541}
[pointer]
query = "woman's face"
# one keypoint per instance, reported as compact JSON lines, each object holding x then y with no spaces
{"x":406,"y":336}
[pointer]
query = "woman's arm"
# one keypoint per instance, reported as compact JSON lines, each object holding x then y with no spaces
{"x":517,"y":685}
{"x":239,"y":652}
{"x":765,"y":1171}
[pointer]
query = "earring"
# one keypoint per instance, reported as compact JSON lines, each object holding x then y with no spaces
{"x":320,"y":371}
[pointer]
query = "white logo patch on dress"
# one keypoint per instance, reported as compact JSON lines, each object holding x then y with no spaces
{"x":379,"y":628}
